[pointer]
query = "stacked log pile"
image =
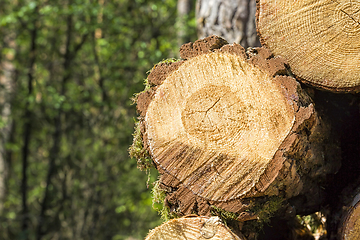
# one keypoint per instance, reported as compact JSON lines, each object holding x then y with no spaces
{"x":233,"y":133}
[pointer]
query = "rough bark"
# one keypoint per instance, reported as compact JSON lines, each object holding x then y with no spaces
{"x":191,"y":228}
{"x":233,"y":20}
{"x":230,"y":131}
{"x":320,"y":40}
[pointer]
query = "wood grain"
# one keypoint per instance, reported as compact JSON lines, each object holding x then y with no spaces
{"x":319,"y":38}
{"x":215,"y":124}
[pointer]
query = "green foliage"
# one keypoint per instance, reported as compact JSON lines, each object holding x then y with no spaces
{"x":76,"y":66}
{"x":314,"y":222}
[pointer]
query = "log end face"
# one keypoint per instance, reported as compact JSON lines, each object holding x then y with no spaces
{"x":351,"y":225}
{"x":216,"y":113}
{"x":330,"y":64}
{"x":193,"y":227}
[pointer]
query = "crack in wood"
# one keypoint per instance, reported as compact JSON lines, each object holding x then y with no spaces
{"x":349,"y":15}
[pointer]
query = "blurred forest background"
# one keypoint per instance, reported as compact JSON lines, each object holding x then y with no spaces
{"x":68,"y":72}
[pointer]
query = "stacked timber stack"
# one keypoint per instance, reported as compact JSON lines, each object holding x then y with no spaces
{"x":234,"y":135}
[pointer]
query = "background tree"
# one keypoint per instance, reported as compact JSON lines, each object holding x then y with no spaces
{"x":233,"y":20}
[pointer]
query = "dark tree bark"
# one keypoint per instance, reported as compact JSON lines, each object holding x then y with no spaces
{"x":233,"y":20}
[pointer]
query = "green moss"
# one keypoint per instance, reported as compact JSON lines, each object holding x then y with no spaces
{"x":138,"y":151}
{"x":169,"y":61}
{"x":158,"y":202}
{"x":225,"y":216}
{"x":264,"y":209}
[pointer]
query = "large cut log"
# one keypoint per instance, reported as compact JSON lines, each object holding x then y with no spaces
{"x":319,"y":38}
{"x":230,"y":131}
{"x":192,"y":228}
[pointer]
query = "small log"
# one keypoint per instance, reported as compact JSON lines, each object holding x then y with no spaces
{"x":229,"y":130}
{"x":350,"y":223}
{"x":344,"y":219}
{"x":192,"y":228}
{"x":320,"y":39}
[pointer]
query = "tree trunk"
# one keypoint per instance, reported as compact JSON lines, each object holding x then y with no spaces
{"x":183,"y":11}
{"x":231,"y":131}
{"x":233,"y":20}
{"x":320,"y":39}
{"x":192,"y":228}
{"x":6,"y":82}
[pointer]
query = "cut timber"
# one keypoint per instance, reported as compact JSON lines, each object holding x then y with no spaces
{"x":191,"y":228}
{"x":346,"y":218}
{"x":319,"y":38}
{"x":223,"y":127}
{"x":351,"y":223}
{"x":216,"y":123}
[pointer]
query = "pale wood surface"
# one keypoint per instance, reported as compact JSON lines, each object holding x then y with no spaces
{"x":191,"y":228}
{"x":215,"y":124}
{"x":319,"y":38}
